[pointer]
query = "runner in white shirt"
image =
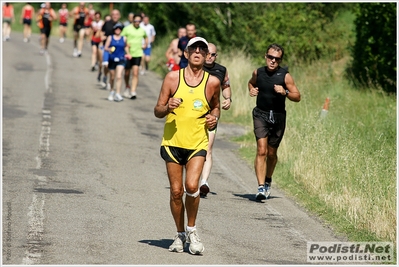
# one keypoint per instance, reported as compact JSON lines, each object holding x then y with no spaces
{"x":96,"y":43}
{"x":150,"y":30}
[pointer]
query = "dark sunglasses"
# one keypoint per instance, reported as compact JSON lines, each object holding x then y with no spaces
{"x":136,"y":20}
{"x":214,"y":54}
{"x":194,"y":48}
{"x":271,"y":57}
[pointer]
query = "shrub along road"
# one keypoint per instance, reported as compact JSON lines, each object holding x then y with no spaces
{"x":83,"y":181}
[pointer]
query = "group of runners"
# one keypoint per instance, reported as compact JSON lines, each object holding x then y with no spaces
{"x":114,"y":58}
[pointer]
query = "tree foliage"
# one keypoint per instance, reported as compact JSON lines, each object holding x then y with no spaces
{"x":301,"y":28}
{"x":374,"y":53}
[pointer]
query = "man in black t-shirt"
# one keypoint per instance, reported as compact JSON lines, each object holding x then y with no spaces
{"x":107,"y":30}
{"x":221,"y":73}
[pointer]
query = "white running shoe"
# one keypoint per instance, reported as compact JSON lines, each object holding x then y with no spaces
{"x":108,"y":86}
{"x":75,"y":52}
{"x":133,"y":95}
{"x":267,"y":190}
{"x":261,"y":195}
{"x":118,"y":98}
{"x":111,"y":96}
{"x":62,"y":40}
{"x":126,"y":93}
{"x":196,"y":246}
{"x":25,"y":40}
{"x":179,"y":243}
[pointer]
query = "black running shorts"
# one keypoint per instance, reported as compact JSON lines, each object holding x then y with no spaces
{"x":269,"y":124}
{"x":134,"y":61}
{"x":180,"y":155}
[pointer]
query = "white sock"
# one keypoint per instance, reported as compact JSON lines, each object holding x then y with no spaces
{"x":190,"y":228}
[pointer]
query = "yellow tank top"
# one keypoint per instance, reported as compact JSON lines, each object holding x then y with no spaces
{"x":185,"y":126}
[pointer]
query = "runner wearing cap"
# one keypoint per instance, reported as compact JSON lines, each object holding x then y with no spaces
{"x":189,"y":99}
{"x":117,"y":47}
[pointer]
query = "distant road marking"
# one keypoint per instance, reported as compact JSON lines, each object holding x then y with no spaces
{"x":33,"y":252}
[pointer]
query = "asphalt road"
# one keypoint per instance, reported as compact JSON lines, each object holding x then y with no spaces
{"x":83,"y":181}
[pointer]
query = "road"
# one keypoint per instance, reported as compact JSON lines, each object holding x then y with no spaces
{"x":83,"y":181}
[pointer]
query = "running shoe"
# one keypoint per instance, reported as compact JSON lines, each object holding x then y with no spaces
{"x":108,"y":86}
{"x":178,"y":244}
{"x":104,"y":83}
{"x":93,"y":68}
{"x":204,"y":190}
{"x":111,"y":96}
{"x":62,"y":40}
{"x":126,"y":93}
{"x":196,"y":247}
{"x":133,"y":95}
{"x":261,"y":193}
{"x":75,"y":52}
{"x":267,"y":190}
{"x":79,"y":53}
{"x":118,"y":98}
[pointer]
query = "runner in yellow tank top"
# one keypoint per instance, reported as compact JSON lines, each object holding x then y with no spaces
{"x":189,"y":99}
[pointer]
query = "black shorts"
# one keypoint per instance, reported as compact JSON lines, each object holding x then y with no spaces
{"x":45,"y":31}
{"x":27,"y":21}
{"x":113,"y":64}
{"x":77,"y":27}
{"x":180,"y":155}
{"x":95,"y":43}
{"x":269,"y":124}
{"x":134,"y":61}
{"x":65,"y":24}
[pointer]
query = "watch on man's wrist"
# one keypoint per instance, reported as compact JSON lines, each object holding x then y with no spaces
{"x":286,"y":92}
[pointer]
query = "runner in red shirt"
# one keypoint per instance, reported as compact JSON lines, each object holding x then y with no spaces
{"x":8,"y":18}
{"x":26,"y":19}
{"x":64,"y":15}
{"x":88,"y":20}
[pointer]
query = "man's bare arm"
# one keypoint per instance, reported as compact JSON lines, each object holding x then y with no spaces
{"x":293,"y":94}
{"x":253,"y":89}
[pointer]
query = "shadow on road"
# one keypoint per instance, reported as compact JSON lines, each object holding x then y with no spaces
{"x":251,"y":197}
{"x":162,"y":243}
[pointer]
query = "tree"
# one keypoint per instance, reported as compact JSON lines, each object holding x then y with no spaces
{"x":374,"y":53}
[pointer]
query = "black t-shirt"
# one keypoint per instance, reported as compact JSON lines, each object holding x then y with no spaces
{"x":217,"y":70}
{"x":267,"y":98}
{"x":108,"y":28}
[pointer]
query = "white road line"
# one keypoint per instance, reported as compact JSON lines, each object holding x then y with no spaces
{"x":34,"y":250}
